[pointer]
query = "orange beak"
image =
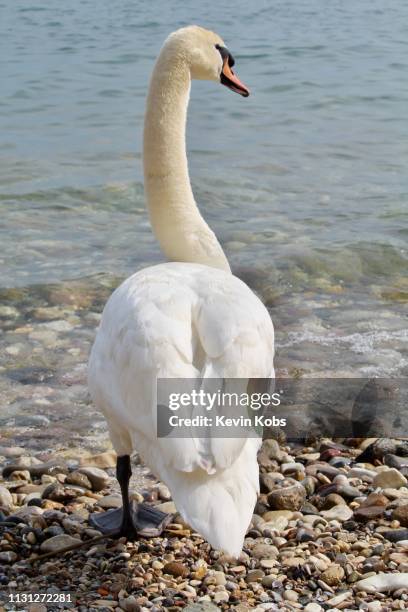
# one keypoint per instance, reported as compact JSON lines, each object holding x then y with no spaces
{"x":230,"y":80}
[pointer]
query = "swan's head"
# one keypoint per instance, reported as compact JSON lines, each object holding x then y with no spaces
{"x":207,"y":56}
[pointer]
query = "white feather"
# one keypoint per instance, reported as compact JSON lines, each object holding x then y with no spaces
{"x":179,"y":320}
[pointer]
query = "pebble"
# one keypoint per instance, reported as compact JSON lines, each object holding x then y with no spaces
{"x":369,"y":513}
{"x":58,"y":542}
{"x":333,"y":575}
{"x":129,"y":604}
{"x":8,"y":556}
{"x":383,"y":582}
{"x":264,"y":551}
{"x":313,"y":607}
{"x":287,"y":497}
{"x":400,"y":513}
{"x":101,"y":460}
{"x":202,"y":606}
{"x":6,"y":501}
{"x":389,"y":478}
{"x":395,"y":535}
{"x":337,"y":513}
{"x":98,"y":477}
{"x":110,"y":501}
{"x":79,"y":479}
{"x":176,"y":569}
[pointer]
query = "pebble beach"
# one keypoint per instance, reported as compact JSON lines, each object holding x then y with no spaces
{"x":329,"y":532}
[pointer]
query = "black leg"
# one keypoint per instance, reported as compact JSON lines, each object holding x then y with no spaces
{"x":123,"y":474}
{"x":132,"y":519}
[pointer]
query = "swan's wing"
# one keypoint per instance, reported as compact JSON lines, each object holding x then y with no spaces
{"x":178,"y":321}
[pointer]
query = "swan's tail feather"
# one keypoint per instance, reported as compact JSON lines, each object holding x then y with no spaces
{"x":219,"y":506}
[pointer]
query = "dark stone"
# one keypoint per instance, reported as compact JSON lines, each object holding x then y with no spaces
{"x":394,"y":461}
{"x":378,"y":450}
{"x":31,"y":375}
{"x":350,"y":525}
{"x":53,"y":530}
{"x":309,"y":508}
{"x":339,"y":462}
{"x":35,"y":502}
{"x":78,"y":479}
{"x":402,"y":448}
{"x":58,"y":493}
{"x":329,"y":453}
{"x":368,"y":513}
{"x":36,"y":471}
{"x":304,"y":535}
{"x":395,"y":535}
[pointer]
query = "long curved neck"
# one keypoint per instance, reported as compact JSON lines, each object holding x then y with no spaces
{"x":176,"y":221}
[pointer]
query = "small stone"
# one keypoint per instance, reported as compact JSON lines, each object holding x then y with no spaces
{"x":130,"y":604}
{"x":394,"y":461}
{"x":37,"y":470}
{"x":290,"y":595}
{"x":176,"y":569}
{"x":293,"y":562}
{"x":11,"y":451}
{"x":333,"y":499}
{"x":98,"y":478}
{"x":201,"y":606}
{"x":268,"y":581}
{"x":79,"y":479}
{"x":37,"y":607}
{"x":272,"y":515}
{"x":313,"y":607}
{"x":365,"y":514}
{"x":23,"y":475}
{"x":395,"y":535}
{"x":220,"y":596}
{"x":167,"y":507}
{"x":164,"y":492}
{"x":58,"y":542}
{"x":220,"y":578}
{"x":375,"y":499}
{"x":254,"y":576}
{"x":383,"y":582}
{"x":6,"y":501}
{"x":399,"y":514}
{"x":279,"y":524}
{"x":264,"y":551}
{"x":374,"y":606}
{"x":391,"y":478}
{"x":337,"y":513}
{"x":305,"y":535}
{"x":338,"y":599}
{"x":8,"y":556}
{"x":333,"y":575}
{"x":110,"y":501}
{"x":58,"y":493}
{"x":28,"y":513}
{"x":101,"y":460}
{"x":287,"y":498}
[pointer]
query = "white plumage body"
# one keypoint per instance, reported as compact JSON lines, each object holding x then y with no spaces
{"x":182,"y":320}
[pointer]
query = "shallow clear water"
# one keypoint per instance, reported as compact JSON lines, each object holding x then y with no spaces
{"x":304,"y":182}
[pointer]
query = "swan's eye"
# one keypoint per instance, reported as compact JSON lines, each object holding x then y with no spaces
{"x":225,"y":54}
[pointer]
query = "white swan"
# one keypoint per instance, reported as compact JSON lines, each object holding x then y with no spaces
{"x":187,"y":319}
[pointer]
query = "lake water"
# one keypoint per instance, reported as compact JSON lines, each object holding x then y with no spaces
{"x":305,"y":182}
